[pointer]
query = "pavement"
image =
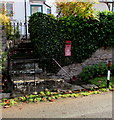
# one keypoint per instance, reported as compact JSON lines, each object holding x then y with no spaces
{"x":93,"y":106}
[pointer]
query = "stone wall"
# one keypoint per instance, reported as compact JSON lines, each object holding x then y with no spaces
{"x":3,"y":41}
{"x":0,"y":56}
{"x":0,"y":38}
{"x":101,"y":55}
{"x":3,"y":45}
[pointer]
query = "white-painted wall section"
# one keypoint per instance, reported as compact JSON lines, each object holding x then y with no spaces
{"x":19,"y":8}
{"x":100,"y":7}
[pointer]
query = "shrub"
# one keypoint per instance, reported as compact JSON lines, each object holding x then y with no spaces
{"x":4,"y":19}
{"x":93,"y":71}
{"x":82,"y":9}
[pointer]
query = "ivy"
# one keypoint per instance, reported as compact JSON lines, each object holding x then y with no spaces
{"x":87,"y":35}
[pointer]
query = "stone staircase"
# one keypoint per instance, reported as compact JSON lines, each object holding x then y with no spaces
{"x":25,"y":72}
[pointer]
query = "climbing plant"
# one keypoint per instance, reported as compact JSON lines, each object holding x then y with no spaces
{"x":87,"y":35}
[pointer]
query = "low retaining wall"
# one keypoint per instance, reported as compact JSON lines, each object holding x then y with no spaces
{"x":101,"y":55}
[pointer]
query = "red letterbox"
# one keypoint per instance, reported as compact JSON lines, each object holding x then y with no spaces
{"x":68,"y":48}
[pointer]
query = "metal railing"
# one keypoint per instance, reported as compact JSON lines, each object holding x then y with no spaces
{"x":14,"y":33}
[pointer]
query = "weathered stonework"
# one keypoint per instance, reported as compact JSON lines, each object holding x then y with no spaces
{"x":3,"y":39}
{"x":101,"y":55}
{"x":0,"y":38}
{"x":0,"y":57}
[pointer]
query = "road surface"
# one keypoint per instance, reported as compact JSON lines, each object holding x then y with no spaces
{"x":93,"y":106}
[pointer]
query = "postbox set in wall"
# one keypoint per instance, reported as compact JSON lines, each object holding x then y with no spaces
{"x":68,"y":46}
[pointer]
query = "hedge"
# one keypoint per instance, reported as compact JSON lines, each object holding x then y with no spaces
{"x":87,"y":35}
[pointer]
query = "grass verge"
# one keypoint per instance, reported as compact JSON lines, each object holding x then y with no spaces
{"x":102,"y":81}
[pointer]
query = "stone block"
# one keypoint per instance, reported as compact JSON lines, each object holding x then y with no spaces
{"x":77,"y":87}
{"x":4,"y":95}
{"x":89,"y":86}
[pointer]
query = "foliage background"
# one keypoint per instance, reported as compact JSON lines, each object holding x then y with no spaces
{"x":81,"y":9}
{"x":87,"y":35}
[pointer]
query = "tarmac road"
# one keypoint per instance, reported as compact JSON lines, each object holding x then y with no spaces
{"x":93,"y":106}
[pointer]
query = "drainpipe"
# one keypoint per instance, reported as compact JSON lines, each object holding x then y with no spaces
{"x":25,"y":19}
{"x":108,"y":5}
{"x":113,"y":6}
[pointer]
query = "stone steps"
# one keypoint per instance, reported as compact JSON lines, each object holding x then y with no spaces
{"x":59,"y":85}
{"x":22,"y":50}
